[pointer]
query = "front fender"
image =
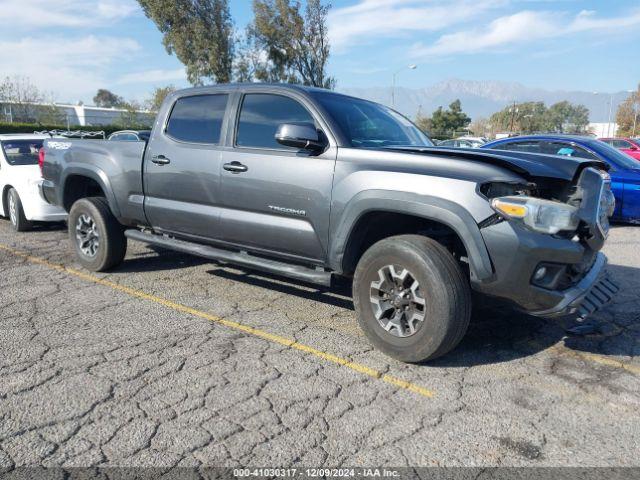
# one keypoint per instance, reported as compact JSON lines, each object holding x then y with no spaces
{"x":96,"y":174}
{"x":431,"y":208}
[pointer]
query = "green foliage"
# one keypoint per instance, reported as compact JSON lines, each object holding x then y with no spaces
{"x":565,"y":117}
{"x":532,"y":117}
{"x":158,"y":96}
{"x":444,"y":123}
{"x":295,"y":42}
{"x":199,"y":33}
{"x":107,"y":99}
{"x":628,"y":115}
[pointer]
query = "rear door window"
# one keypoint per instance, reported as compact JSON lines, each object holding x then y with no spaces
{"x":567,"y":149}
{"x":198,"y":119}
{"x":527,"y":147}
{"x":21,"y":152}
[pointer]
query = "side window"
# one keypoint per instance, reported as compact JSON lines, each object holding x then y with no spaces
{"x":260,"y":116}
{"x":622,"y":144}
{"x":568,"y":150}
{"x":197,"y":119}
{"x":528,"y":147}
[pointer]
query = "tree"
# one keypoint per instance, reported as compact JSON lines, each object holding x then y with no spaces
{"x":449,"y":121}
{"x":564,"y":117}
{"x":23,"y":97}
{"x":531,"y":117}
{"x":527,"y":117}
{"x":628,"y":115}
{"x":107,"y":99}
{"x":296,"y":44}
{"x":424,"y":123}
{"x":199,"y":32}
{"x":158,"y":96}
{"x":480,"y":127}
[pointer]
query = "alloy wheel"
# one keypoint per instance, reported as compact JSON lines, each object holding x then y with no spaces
{"x":87,"y":235}
{"x":397,"y":301}
{"x":13,"y":210}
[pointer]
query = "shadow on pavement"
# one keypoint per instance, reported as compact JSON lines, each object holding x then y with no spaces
{"x":495,"y":335}
{"x":165,"y":260}
{"x":337,"y":296}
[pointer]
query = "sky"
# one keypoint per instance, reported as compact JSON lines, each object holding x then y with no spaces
{"x":81,"y":45}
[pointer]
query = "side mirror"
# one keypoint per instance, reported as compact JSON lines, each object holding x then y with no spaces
{"x":300,"y":135}
{"x":633,"y":148}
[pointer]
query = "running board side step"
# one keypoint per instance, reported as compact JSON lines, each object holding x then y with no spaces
{"x":241,"y":259}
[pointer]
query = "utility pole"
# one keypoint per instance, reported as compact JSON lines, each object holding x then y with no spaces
{"x":393,"y":83}
{"x":610,"y":111}
{"x":513,"y":110}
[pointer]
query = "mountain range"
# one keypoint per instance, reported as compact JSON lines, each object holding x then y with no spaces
{"x":482,"y":98}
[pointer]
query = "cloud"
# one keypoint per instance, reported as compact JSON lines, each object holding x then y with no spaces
{"x":26,"y":14}
{"x":70,"y":68}
{"x":371,"y":19}
{"x":522,"y":27}
{"x":153,"y":76}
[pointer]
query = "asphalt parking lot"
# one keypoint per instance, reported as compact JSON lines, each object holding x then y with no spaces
{"x":173,"y":360}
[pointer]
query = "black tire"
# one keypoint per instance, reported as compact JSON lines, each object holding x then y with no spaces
{"x":446,"y":310}
{"x":91,"y":216}
{"x":16,"y":213}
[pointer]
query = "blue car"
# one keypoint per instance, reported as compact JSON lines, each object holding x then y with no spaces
{"x":625,"y":171}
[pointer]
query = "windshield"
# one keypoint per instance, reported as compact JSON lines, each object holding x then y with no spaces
{"x":21,"y":152}
{"x":616,"y":157}
{"x":366,"y":124}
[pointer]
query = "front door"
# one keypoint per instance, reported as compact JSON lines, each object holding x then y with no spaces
{"x":182,"y":168}
{"x":276,"y":199}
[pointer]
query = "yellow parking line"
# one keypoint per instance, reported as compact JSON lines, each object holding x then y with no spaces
{"x":599,"y":359}
{"x":356,"y":367}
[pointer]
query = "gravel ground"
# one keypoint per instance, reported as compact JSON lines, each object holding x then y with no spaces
{"x":172,"y":360}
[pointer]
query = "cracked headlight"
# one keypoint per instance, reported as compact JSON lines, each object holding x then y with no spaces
{"x":544,"y":216}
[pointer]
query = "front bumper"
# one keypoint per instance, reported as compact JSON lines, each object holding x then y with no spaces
{"x":517,"y":252}
{"x":593,"y":292}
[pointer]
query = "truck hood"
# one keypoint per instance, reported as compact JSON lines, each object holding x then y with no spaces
{"x":526,"y":164}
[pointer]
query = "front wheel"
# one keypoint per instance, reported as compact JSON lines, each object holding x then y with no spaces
{"x":97,"y":237}
{"x":411,"y":297}
{"x":16,"y":213}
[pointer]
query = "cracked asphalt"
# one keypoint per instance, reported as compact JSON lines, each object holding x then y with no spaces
{"x":93,"y":375}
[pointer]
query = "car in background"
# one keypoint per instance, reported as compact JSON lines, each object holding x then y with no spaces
{"x":455,"y":143}
{"x":624,"y":170}
{"x":131,"y":136}
{"x":629,"y":146}
{"x":20,"y":175}
{"x":477,"y":142}
{"x":463,"y":142}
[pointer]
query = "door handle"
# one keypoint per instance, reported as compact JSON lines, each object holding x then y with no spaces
{"x":235,"y":167}
{"x":160,"y":160}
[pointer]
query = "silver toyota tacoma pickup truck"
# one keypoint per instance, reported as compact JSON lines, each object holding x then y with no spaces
{"x":312,"y":185}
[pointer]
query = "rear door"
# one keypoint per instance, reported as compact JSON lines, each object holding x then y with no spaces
{"x":280,"y":202}
{"x":182,"y":167}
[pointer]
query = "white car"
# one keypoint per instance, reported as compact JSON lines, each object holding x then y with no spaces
{"x":475,"y":142}
{"x":20,"y":199}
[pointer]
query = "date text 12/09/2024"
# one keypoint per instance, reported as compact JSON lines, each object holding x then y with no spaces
{"x":316,"y":472}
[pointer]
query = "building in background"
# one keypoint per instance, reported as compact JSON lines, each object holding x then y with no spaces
{"x":603,"y":129}
{"x":74,"y":115}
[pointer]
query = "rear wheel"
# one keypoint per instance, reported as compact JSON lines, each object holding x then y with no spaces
{"x":16,"y":213}
{"x":97,"y":237}
{"x":412,"y":299}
